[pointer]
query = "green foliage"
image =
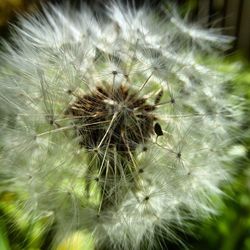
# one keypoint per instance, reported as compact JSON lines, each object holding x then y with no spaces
{"x":231,"y":229}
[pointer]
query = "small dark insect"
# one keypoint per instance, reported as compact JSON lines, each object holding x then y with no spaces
{"x":158,"y":97}
{"x":158,"y":130}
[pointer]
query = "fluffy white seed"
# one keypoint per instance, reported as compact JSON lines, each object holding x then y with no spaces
{"x":168,"y":177}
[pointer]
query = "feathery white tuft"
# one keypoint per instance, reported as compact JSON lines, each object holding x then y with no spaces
{"x":122,"y":196}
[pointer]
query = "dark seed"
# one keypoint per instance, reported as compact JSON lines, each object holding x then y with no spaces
{"x":69,"y":91}
{"x":158,"y":97}
{"x":172,"y":100}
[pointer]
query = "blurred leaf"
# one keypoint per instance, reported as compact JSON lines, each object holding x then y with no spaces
{"x":4,"y":244}
{"x":77,"y":241}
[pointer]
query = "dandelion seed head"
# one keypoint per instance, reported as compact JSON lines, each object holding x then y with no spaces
{"x":114,"y":125}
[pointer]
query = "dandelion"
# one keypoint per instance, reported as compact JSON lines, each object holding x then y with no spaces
{"x":114,"y":126}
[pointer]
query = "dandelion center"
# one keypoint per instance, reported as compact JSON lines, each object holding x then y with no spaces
{"x":112,"y":117}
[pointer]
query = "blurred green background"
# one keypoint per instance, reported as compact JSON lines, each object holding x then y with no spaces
{"x":230,"y":230}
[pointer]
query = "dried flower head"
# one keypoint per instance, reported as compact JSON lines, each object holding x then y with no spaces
{"x":114,"y":125}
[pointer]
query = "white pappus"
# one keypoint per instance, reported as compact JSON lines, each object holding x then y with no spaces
{"x":114,"y":125}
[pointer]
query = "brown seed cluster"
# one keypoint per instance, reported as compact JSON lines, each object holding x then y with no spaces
{"x":112,"y":117}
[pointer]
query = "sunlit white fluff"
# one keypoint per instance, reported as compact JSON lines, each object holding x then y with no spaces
{"x":66,"y":51}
